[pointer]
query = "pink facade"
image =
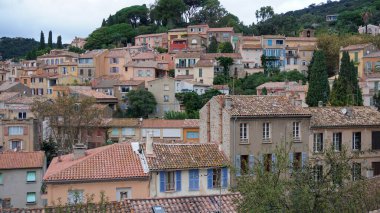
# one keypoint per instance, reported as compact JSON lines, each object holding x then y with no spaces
{"x":152,"y":40}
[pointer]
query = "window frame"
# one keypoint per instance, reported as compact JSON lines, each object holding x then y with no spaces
{"x":356,"y":142}
{"x":244,"y":127}
{"x":266,"y":131}
{"x":34,"y":194}
{"x":19,"y":132}
{"x":216,"y":178}
{"x":170,"y":184}
{"x":355,"y":171}
{"x":296,"y":131}
{"x":337,"y":138}
{"x":32,"y":180}
{"x":318,"y":144}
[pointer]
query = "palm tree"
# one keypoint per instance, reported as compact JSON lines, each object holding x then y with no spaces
{"x":366,"y":15}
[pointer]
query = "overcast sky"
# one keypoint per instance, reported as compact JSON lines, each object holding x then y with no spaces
{"x":70,"y":18}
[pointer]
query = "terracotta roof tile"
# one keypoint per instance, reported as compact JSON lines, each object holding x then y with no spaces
{"x":124,"y":122}
{"x":142,"y":64}
{"x":186,"y":156}
{"x":93,"y":93}
{"x":191,"y":123}
{"x":334,"y":116}
{"x":252,"y":46}
{"x":25,"y":100}
{"x":213,"y":56}
{"x":204,"y":63}
{"x":20,"y":160}
{"x":116,"y":161}
{"x":117,"y":53}
{"x":188,"y":55}
{"x":251,"y":38}
{"x":183,"y":77}
{"x":221,"y":29}
{"x":145,"y":55}
{"x":277,"y":85}
{"x":130,"y":82}
{"x":264,"y":106}
{"x":151,"y":35}
{"x":5,"y":96}
{"x":91,"y":54}
{"x":355,"y":47}
{"x":162,"y":123}
{"x":312,"y":39}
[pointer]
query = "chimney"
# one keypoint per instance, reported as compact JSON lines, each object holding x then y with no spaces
{"x":79,"y":150}
{"x":228,"y":102}
{"x":149,"y":143}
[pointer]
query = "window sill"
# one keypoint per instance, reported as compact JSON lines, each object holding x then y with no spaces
{"x":267,"y":141}
{"x":34,"y":203}
{"x":297,"y":140}
{"x":170,"y":191}
{"x":244,"y":143}
{"x":29,"y":182}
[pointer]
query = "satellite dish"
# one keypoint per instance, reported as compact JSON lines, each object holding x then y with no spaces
{"x":344,"y":111}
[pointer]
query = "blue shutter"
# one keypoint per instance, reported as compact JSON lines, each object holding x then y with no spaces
{"x":178,"y":180}
{"x":224,"y":177}
{"x":238,"y":165}
{"x":196,"y":179}
{"x":251,"y":163}
{"x":162,"y":181}
{"x":273,"y":162}
{"x":191,"y":178}
{"x":291,"y":155}
{"x":209,"y":178}
{"x":304,"y":159}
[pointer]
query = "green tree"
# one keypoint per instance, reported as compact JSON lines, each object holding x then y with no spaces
{"x":170,"y":12}
{"x":319,"y":89}
{"x":205,"y":97}
{"x":346,"y":88}
{"x":191,"y":8}
{"x":264,"y":13}
{"x":264,"y":91}
{"x":50,"y":148}
{"x":42,"y":41}
{"x":226,"y":47}
{"x":76,"y":50}
{"x":213,"y":46}
{"x":104,"y":23}
{"x":134,"y":15}
{"x":211,"y":13}
{"x":59,"y":42}
{"x":366,"y":16}
{"x":50,"y":40}
{"x":141,"y":103}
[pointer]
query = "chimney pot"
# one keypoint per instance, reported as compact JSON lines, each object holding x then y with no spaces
{"x":79,"y":150}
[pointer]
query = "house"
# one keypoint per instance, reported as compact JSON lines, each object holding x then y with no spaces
{"x":144,"y":71}
{"x":188,"y":85}
{"x":57,"y":56}
{"x":115,"y":60}
{"x":274,"y":49}
{"x":236,"y":69}
{"x":331,"y":18}
{"x":356,"y":53}
{"x":166,"y":57}
{"x":8,"y":86}
{"x":224,"y":89}
{"x":91,"y":64}
{"x":295,"y":91}
{"x":78,"y":42}
{"x":177,"y":40}
{"x":169,"y":130}
{"x":143,"y":56}
{"x":21,"y":179}
{"x":251,"y":52}
{"x":117,"y":170}
{"x":249,"y":128}
{"x":371,"y":77}
{"x":191,"y":131}
{"x":163,"y":90}
{"x":356,"y":129}
{"x":19,"y":107}
{"x":223,"y":34}
{"x":186,"y":169}
{"x":122,"y":129}
{"x":123,"y":87}
{"x":369,"y":29}
{"x":152,"y":40}
{"x":100,"y":98}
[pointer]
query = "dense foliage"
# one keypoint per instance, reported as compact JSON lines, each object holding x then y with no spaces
{"x":16,"y":47}
{"x":140,"y":103}
{"x":194,"y":102}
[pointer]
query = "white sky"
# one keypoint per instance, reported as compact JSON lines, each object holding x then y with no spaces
{"x":70,"y":18}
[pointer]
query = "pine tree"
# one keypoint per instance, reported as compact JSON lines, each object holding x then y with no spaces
{"x":59,"y":42}
{"x":347,"y":86}
{"x":226,"y":47}
{"x":42,"y":41}
{"x":319,"y":89}
{"x":50,"y":40}
{"x":104,"y":23}
{"x":213,"y":46}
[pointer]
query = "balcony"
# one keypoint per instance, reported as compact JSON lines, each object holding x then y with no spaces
{"x":292,"y":55}
{"x":184,"y":65}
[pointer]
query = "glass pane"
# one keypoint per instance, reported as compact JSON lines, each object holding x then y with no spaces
{"x":31,"y":176}
{"x":31,"y":197}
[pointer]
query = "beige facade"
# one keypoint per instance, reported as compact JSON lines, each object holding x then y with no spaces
{"x":115,"y":60}
{"x":163,"y":90}
{"x":356,"y":53}
{"x":91,"y":65}
{"x":111,"y":189}
{"x":19,"y":134}
{"x":152,"y":40}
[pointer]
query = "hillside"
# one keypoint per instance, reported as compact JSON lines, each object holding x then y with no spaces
{"x":16,"y":47}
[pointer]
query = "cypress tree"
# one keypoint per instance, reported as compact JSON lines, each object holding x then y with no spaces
{"x":50,"y":40}
{"x":213,"y":46}
{"x":319,"y":89}
{"x":42,"y":41}
{"x":104,"y":23}
{"x":59,"y":42}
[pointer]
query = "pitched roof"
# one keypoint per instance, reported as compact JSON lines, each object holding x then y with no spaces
{"x":204,"y":63}
{"x":144,"y":55}
{"x":212,"y":56}
{"x":373,"y":55}
{"x":251,"y":38}
{"x":5,"y":96}
{"x":104,"y":83}
{"x":314,"y":39}
{"x":25,"y":100}
{"x":355,"y":47}
{"x":162,"y":123}
{"x":130,"y":82}
{"x":91,"y":54}
{"x":142,"y":64}
{"x":335,"y":116}
{"x":276,"y":85}
{"x":221,"y":29}
{"x":264,"y":106}
{"x":178,"y":30}
{"x":124,"y":122}
{"x":186,"y":156}
{"x":252,"y":46}
{"x":151,"y":35}
{"x":93,"y":93}
{"x":116,"y":53}
{"x":113,"y":162}
{"x":199,"y":204}
{"x":191,"y":123}
{"x":183,"y":77}
{"x":188,"y":55}
{"x":7,"y":85}
{"x":307,"y":48}
{"x":22,"y":160}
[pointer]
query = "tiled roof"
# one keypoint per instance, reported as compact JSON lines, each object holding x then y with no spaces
{"x":5,"y":96}
{"x":93,"y":93}
{"x":91,"y":54}
{"x":178,"y":30}
{"x":190,"y":204}
{"x":116,"y":53}
{"x":301,"y":39}
{"x":251,"y":38}
{"x":335,"y":117}
{"x":183,"y":77}
{"x":130,"y":82}
{"x":252,"y":46}
{"x":355,"y":47}
{"x":277,"y":85}
{"x":145,"y":55}
{"x":112,"y":162}
{"x":188,"y":55}
{"x":7,"y":85}
{"x":212,"y":56}
{"x":221,"y":29}
{"x":20,"y":160}
{"x":186,"y":156}
{"x":124,"y":122}
{"x":307,"y":48}
{"x":25,"y":100}
{"x":104,"y":83}
{"x":220,"y":87}
{"x":59,"y":53}
{"x":162,"y":123}
{"x":191,"y":123}
{"x":264,"y":106}
{"x":373,"y":55}
{"x":142,"y":64}
{"x":274,"y":36}
{"x":204,"y":63}
{"x":151,"y":35}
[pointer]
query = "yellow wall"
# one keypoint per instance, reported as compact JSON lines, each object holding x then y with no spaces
{"x":120,"y":65}
{"x":56,"y":192}
{"x":359,"y":63}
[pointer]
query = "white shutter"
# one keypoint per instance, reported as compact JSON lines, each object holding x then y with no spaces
{"x":172,"y":133}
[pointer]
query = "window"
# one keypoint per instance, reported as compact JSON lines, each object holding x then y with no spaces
{"x":375,"y":140}
{"x":148,"y":73}
{"x":114,"y":69}
{"x":266,"y":131}
{"x":128,"y":131}
{"x":115,"y":132}
{"x":368,"y":67}
{"x":166,"y":87}
{"x":30,"y":197}
{"x":187,"y":72}
{"x":89,"y":71}
{"x":226,"y":35}
{"x":192,"y":135}
{"x":356,"y":56}
{"x":32,"y":80}
{"x":75,"y":196}
{"x":269,"y":42}
{"x":81,"y":72}
{"x":170,"y":181}
{"x":243,"y":133}
{"x":296,"y":130}
{"x":166,"y":98}
{"x":64,"y":71}
{"x":123,"y":193}
{"x":193,"y":179}
{"x":40,"y":80}
{"x":268,"y":162}
{"x":356,"y":171}
{"x":200,"y":72}
{"x":16,"y":130}
{"x":22,"y":115}
{"x":318,"y":142}
{"x":318,"y":172}
{"x":337,"y":141}
{"x":356,"y":141}
{"x":140,"y":73}
{"x":216,"y":178}
{"x":114,"y":60}
{"x":15,"y":145}
{"x":244,"y":164}
{"x":72,"y":69}
{"x":31,"y":176}
{"x":1,"y":178}
{"x":124,"y":89}
{"x":279,"y":42}
{"x":297,"y":160}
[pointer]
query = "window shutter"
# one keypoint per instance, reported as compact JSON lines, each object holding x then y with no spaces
{"x":5,"y":131}
{"x":261,"y":161}
{"x":196,"y":179}
{"x":162,"y":181}
{"x":273,"y":162}
{"x":251,"y":163}
{"x":224,"y":177}
{"x":25,"y":130}
{"x":291,"y":162}
{"x":191,"y":179}
{"x":209,"y":178}
{"x":304,"y":159}
{"x":237,"y":165}
{"x":178,"y":180}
